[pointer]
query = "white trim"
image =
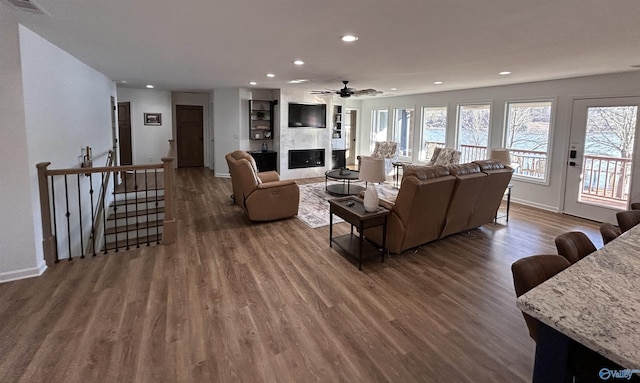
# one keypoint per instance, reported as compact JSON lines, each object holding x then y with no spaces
{"x":23,"y":273}
{"x":222,"y":175}
{"x":553,"y":209}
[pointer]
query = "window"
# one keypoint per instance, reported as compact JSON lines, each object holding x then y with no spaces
{"x":403,"y":131}
{"x":379,"y":124}
{"x":527,"y":137}
{"x":434,"y":130}
{"x":473,"y":131}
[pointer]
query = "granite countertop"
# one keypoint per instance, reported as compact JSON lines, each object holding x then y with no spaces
{"x":596,"y":301}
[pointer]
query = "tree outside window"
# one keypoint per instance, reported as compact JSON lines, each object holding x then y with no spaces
{"x":527,"y":137}
{"x":473,"y":131}
{"x":434,"y":130}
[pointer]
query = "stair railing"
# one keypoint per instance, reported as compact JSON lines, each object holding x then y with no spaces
{"x":71,"y":217}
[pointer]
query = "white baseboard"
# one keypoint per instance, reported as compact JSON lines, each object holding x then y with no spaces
{"x":24,"y":273}
{"x":223,"y":175}
{"x":553,"y":209}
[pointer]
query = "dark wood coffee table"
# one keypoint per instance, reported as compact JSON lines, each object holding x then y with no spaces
{"x":344,"y":188}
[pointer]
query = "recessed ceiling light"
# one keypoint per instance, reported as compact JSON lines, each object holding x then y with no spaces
{"x":271,"y":75}
{"x":349,"y":38}
{"x":393,"y":88}
{"x":122,"y":81}
{"x":504,"y":73}
{"x":150,"y":86}
{"x":298,"y":62}
{"x":253,"y":83}
{"x":437,"y":83}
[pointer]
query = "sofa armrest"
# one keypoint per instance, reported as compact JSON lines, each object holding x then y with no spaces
{"x":269,"y":176}
{"x":276,"y":184}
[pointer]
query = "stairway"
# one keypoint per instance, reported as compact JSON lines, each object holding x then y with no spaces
{"x":135,"y":217}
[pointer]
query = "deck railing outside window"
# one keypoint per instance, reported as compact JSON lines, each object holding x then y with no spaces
{"x":606,"y":177}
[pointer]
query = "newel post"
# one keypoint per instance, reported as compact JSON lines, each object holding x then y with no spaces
{"x":48,"y":240}
{"x":170,"y":226}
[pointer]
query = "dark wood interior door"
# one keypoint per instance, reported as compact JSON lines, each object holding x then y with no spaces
{"x":124,"y":133}
{"x":189,"y":126}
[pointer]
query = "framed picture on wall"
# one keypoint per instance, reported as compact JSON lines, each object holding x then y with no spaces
{"x":153,"y":118}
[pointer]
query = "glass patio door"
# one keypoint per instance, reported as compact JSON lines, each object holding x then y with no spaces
{"x":602,"y":154}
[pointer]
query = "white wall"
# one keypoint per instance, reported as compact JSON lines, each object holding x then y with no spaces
{"x":549,"y":196}
{"x":200,"y":99}
{"x":149,"y":142}
{"x":20,"y":253}
{"x":226,"y":125}
{"x":47,"y":113}
{"x":67,"y":107}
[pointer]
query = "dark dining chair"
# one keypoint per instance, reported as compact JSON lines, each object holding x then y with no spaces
{"x":609,"y":232}
{"x":635,"y":206}
{"x":628,"y":219}
{"x":574,"y":246}
{"x":531,"y":271}
{"x":583,"y":364}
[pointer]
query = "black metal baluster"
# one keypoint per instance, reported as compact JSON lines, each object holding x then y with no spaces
{"x":93,"y":215}
{"x":126,"y":213}
{"x":80,"y":218}
{"x":66,"y":195}
{"x":135,"y":177}
{"x":146,"y":204}
{"x":104,"y":210}
{"x":155,"y":175}
{"x":115,"y":210}
{"x":55,"y":223}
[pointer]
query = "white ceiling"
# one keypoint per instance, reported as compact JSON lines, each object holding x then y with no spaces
{"x":198,"y":45}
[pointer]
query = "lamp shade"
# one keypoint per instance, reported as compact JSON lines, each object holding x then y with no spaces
{"x":501,"y":155}
{"x":372,"y":169}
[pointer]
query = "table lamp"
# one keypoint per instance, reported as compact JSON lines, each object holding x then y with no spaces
{"x":501,"y":155}
{"x":371,"y":171}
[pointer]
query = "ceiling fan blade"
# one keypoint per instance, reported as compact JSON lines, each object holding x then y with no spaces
{"x":367,"y":92}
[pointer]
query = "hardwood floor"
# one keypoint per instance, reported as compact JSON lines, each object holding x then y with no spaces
{"x":234,"y":301}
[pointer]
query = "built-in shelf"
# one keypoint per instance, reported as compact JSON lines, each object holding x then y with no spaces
{"x":260,"y":120}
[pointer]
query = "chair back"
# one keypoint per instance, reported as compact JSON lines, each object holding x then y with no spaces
{"x":628,"y":219}
{"x":609,"y":232}
{"x":242,"y":168}
{"x":385,"y":149}
{"x":574,"y":246}
{"x":448,"y":157}
{"x":531,"y":271}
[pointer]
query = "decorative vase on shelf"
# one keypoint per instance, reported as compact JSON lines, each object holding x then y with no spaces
{"x":264,"y":147}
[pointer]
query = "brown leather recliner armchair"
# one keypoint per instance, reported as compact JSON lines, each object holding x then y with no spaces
{"x":263,"y":196}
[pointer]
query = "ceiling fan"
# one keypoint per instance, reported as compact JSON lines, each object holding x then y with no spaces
{"x":348,"y":92}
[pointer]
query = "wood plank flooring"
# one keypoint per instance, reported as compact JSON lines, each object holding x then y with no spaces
{"x":233,"y":301}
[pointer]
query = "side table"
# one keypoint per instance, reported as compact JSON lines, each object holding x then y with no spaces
{"x":396,"y":176}
{"x":508,"y":192}
{"x":351,"y":209}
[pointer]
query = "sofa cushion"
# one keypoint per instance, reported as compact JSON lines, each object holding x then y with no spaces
{"x":422,"y":172}
{"x":464,"y":169}
{"x":490,"y":165}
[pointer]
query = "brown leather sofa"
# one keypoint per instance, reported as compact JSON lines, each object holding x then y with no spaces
{"x":436,"y":201}
{"x":262,"y":195}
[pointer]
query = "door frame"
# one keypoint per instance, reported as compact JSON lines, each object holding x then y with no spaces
{"x":601,"y":214}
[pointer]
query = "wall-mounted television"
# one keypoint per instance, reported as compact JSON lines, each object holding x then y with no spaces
{"x":307,"y":115}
